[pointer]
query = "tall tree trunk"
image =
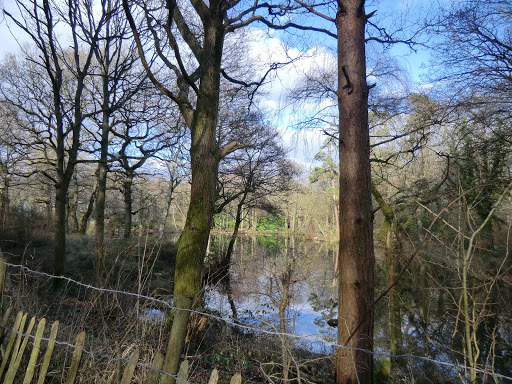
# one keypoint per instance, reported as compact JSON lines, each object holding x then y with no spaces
{"x":205,"y":156}
{"x":128,"y":204}
{"x":354,"y":361}
{"x":194,"y":238}
{"x":99,"y":229}
{"x":99,"y":214}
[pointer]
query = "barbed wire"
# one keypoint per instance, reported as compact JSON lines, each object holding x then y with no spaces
{"x":380,"y":354}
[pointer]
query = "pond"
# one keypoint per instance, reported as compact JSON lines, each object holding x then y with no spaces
{"x":288,"y":285}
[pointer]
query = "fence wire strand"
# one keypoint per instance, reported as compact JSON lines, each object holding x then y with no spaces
{"x":379,"y":354}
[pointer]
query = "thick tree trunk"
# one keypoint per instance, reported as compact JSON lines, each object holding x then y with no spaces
{"x":354,"y":361}
{"x":194,"y":238}
{"x":205,"y":156}
{"x":128,"y":205}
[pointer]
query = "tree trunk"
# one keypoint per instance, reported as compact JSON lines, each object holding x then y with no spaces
{"x":335,"y":201}
{"x":99,"y":214}
{"x":194,"y":238}
{"x":205,"y":156}
{"x":4,"y":201}
{"x":169,"y":200}
{"x":87,"y":214}
{"x":128,"y":203}
{"x":61,"y":191}
{"x":226,"y":260}
{"x":354,"y":361}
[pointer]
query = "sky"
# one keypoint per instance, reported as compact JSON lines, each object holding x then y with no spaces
{"x":303,"y":144}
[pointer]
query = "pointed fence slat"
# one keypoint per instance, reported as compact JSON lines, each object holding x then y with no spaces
{"x":236,"y":379}
{"x":214,"y":377}
{"x":183,"y":372}
{"x":130,"y":367}
{"x":19,"y":338}
{"x":158,"y":362}
{"x":15,"y":362}
{"x":48,"y":353}
{"x":77,"y":355}
{"x":35,"y":352}
{"x":10,"y":344}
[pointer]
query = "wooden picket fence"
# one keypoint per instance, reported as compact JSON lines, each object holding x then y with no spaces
{"x":17,"y":339}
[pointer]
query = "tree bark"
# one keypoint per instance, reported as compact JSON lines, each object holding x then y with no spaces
{"x":205,"y":156}
{"x":354,"y":361}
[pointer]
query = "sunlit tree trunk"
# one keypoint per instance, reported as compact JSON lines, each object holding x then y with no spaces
{"x":205,"y":156}
{"x":356,"y":256}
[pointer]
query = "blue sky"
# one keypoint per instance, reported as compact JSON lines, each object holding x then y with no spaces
{"x":304,"y":145}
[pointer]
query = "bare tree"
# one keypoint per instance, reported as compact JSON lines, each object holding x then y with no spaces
{"x":51,"y":92}
{"x":250,"y":175}
{"x":189,"y":41}
{"x":142,"y":132}
{"x":119,"y":81}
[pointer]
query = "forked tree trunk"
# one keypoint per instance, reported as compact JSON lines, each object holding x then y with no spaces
{"x":194,"y":238}
{"x":354,"y":361}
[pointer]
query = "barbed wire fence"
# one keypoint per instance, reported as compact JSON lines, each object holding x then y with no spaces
{"x":166,"y":305}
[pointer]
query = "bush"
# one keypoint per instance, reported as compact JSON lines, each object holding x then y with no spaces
{"x":270,"y":223}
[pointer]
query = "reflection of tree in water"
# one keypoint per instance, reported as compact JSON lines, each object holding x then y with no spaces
{"x":273,"y":277}
{"x":273,"y":245}
{"x":276,"y":278}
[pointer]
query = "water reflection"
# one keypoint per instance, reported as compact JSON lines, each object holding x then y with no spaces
{"x":282,"y":284}
{"x":286,"y":285}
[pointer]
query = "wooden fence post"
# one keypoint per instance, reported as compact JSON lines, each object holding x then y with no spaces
{"x":77,"y":355}
{"x":48,"y":353}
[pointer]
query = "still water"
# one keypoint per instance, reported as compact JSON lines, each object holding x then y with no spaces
{"x":269,"y":274}
{"x":288,"y":285}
